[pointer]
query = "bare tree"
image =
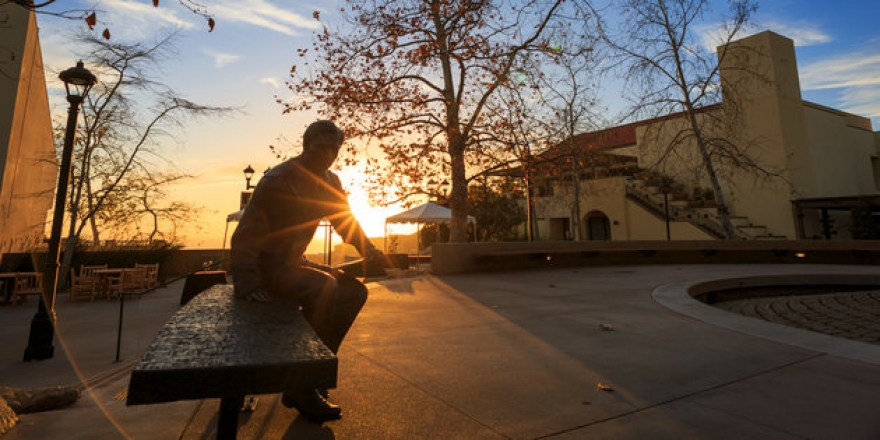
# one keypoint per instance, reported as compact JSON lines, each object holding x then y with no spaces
{"x":570,"y":93}
{"x":120,"y":175}
{"x":669,"y":71}
{"x":526,"y":133}
{"x":417,"y":76}
{"x":139,"y":211}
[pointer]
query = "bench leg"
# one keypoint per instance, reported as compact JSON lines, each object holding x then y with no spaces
{"x":227,"y":424}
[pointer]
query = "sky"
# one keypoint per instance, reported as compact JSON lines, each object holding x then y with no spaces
{"x":245,"y":61}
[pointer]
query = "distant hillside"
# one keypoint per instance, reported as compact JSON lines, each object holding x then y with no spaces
{"x":341,"y":252}
{"x":401,"y":244}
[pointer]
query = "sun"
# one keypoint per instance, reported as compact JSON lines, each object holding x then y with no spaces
{"x":371,"y":218}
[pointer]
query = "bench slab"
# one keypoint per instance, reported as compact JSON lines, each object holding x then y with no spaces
{"x":218,"y":346}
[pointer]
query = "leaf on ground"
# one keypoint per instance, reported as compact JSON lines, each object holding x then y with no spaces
{"x":605,"y":387}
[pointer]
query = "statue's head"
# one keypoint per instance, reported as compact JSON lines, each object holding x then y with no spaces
{"x":321,"y":142}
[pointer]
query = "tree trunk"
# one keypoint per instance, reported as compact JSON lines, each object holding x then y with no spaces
{"x":723,"y":213}
{"x":67,"y":260}
{"x":458,"y":200}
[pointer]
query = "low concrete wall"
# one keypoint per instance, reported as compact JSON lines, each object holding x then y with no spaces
{"x":451,"y":258}
{"x":184,"y":261}
{"x":173,"y":264}
{"x":714,"y":291}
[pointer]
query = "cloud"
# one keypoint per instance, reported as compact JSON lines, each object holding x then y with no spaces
{"x":803,"y":34}
{"x":710,"y":36}
{"x":863,"y":101}
{"x":221,"y":59}
{"x":272,"y":81}
{"x":58,"y":52}
{"x":263,"y":14}
{"x":140,"y":18}
{"x":853,"y":78}
{"x":847,"y":70}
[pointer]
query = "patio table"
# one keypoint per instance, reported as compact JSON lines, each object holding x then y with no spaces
{"x":104,"y":279}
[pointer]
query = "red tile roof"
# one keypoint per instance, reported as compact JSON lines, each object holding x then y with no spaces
{"x":610,"y":138}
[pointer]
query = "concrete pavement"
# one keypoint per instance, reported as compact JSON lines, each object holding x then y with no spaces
{"x":610,"y":352}
{"x":85,"y":356}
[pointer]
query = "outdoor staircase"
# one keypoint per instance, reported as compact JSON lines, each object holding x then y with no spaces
{"x":684,"y":208}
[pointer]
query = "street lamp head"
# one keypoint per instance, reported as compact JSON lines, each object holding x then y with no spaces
{"x":80,"y":78}
{"x":248,"y":174}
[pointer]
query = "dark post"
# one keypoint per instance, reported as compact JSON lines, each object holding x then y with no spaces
{"x":42,"y":334}
{"x":666,"y":211}
{"x":119,"y":329}
{"x":328,"y":245}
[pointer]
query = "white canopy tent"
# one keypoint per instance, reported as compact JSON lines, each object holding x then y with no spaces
{"x":428,"y":213}
{"x":234,"y":217}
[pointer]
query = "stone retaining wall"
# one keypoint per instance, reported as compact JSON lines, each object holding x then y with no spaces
{"x":452,"y":258}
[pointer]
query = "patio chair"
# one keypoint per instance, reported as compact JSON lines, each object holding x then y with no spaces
{"x":30,"y":283}
{"x":130,"y":281}
{"x":89,"y":271}
{"x":82,"y":287}
{"x":88,"y":276}
{"x":151,"y":278}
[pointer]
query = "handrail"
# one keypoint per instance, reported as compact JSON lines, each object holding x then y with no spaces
{"x":706,"y":224}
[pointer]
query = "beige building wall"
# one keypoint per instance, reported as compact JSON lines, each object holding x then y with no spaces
{"x":684,"y":164}
{"x":27,"y":152}
{"x":819,"y":152}
{"x":626,"y":220}
{"x":839,"y":144}
{"x":643,"y":225}
{"x":762,"y":92}
{"x":803,"y":151}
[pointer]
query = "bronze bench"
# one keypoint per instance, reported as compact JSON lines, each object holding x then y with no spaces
{"x":218,"y":346}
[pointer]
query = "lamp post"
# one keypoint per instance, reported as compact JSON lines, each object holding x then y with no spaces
{"x":77,"y":82}
{"x":328,"y":241}
{"x":530,"y":212}
{"x":248,"y":174}
{"x":665,"y":188}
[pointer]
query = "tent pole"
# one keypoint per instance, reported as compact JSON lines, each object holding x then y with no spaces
{"x":223,"y":249}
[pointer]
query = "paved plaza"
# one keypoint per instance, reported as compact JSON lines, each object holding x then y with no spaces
{"x":610,"y":352}
{"x":850,"y":315}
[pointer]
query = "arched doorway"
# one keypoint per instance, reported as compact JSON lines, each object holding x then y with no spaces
{"x":598,"y":226}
